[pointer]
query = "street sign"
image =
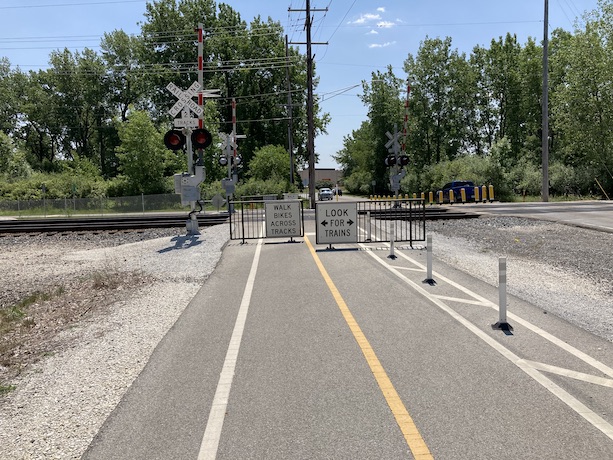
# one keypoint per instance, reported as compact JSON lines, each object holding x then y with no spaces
{"x":336,"y":222}
{"x":283,"y":219}
{"x":185,"y":99}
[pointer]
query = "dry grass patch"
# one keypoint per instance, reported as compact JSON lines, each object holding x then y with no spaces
{"x":32,"y":327}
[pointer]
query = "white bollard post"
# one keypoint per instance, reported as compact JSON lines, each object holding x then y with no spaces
{"x":502,"y":323}
{"x":392,"y":236}
{"x":502,"y":290}
{"x":429,"y":278}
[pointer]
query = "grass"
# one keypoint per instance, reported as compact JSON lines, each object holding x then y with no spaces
{"x":106,"y":280}
{"x":5,"y":389}
{"x":18,"y":311}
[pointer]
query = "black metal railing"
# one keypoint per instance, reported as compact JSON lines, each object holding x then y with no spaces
{"x":382,"y":220}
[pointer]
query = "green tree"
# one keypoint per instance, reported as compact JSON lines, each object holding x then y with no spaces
{"x":437,"y":103}
{"x":141,"y":154}
{"x":385,"y":113}
{"x":357,"y":160}
{"x":582,"y":100}
{"x":270,"y":162}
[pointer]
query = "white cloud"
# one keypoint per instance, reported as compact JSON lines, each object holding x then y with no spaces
{"x":364,"y":18}
{"x":372,"y":32}
{"x":381,"y":9}
{"x":381,"y":45}
{"x":385,"y":24}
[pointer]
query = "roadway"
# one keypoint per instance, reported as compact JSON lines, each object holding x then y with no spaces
{"x":292,"y":350}
{"x":595,"y":215}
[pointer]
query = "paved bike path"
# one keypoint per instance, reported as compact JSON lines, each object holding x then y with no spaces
{"x":303,"y":386}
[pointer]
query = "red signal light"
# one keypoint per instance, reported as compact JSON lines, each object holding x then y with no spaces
{"x":174,"y":139}
{"x":201,"y":138}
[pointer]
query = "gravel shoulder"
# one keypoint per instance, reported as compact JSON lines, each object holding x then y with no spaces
{"x":114,"y":296}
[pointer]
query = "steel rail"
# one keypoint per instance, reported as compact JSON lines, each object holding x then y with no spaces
{"x":77,"y":224}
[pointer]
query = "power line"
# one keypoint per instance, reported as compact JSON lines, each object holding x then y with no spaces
{"x":54,"y":5}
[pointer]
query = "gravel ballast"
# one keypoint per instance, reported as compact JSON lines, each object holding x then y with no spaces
{"x":143,"y":281}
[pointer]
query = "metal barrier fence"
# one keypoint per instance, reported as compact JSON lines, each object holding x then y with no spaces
{"x":401,"y":219}
{"x":282,"y":219}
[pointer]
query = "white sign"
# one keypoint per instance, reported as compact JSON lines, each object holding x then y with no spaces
{"x":336,"y":222}
{"x":283,"y":219}
{"x":392,"y":145}
{"x":185,"y":99}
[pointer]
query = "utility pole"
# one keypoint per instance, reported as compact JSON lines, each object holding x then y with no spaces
{"x":310,"y":120}
{"x":545,"y":108}
{"x":290,"y":122}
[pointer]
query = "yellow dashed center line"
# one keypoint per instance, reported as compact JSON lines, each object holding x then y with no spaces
{"x":409,"y":430}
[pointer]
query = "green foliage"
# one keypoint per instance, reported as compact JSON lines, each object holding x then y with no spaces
{"x":79,"y":120}
{"x":324,"y":184}
{"x":270,"y":162}
{"x":358,"y":183}
{"x":209,"y":190}
{"x":6,"y":152}
{"x":254,"y":187}
{"x":17,"y":166}
{"x":141,"y":154}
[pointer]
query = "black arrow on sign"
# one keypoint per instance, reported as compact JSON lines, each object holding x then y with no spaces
{"x":350,"y":222}
{"x":324,"y":223}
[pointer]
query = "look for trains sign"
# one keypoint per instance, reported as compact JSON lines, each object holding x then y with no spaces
{"x":336,"y":223}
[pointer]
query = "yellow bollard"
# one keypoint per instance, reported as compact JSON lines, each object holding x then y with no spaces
{"x":423,"y":196}
{"x":431,"y":197}
{"x":484,"y":193}
{"x":440,"y":197}
{"x":463,"y":195}
{"x":414,"y":196}
{"x":476,"y":194}
{"x":491,"y":193}
{"x":451,"y":197}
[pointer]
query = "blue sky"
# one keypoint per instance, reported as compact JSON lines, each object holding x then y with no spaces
{"x":363,"y":36}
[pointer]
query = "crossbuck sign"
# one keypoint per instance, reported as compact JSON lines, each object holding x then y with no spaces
{"x":185,"y":104}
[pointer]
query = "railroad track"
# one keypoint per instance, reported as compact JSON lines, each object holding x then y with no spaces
{"x":430,"y":213}
{"x":77,"y":224}
{"x":140,"y":222}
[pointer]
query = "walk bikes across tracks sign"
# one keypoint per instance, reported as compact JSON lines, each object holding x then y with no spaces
{"x":283,"y":219}
{"x":264,"y":218}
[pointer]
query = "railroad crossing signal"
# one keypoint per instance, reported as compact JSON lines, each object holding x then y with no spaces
{"x":174,"y":140}
{"x":201,"y":138}
{"x":392,"y":146}
{"x":185,"y":99}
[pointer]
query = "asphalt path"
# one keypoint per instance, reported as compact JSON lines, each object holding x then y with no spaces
{"x":295,"y":350}
{"x":596,"y":215}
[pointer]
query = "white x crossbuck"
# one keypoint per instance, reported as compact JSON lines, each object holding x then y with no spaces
{"x":185,"y":99}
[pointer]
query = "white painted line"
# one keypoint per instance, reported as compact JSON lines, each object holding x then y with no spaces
{"x":408,"y":269}
{"x":570,"y":373}
{"x":572,"y":402}
{"x":518,"y":320}
{"x":212,"y":432}
{"x":457,"y":299}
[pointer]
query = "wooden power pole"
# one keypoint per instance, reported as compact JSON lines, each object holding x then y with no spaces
{"x":310,"y":103}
